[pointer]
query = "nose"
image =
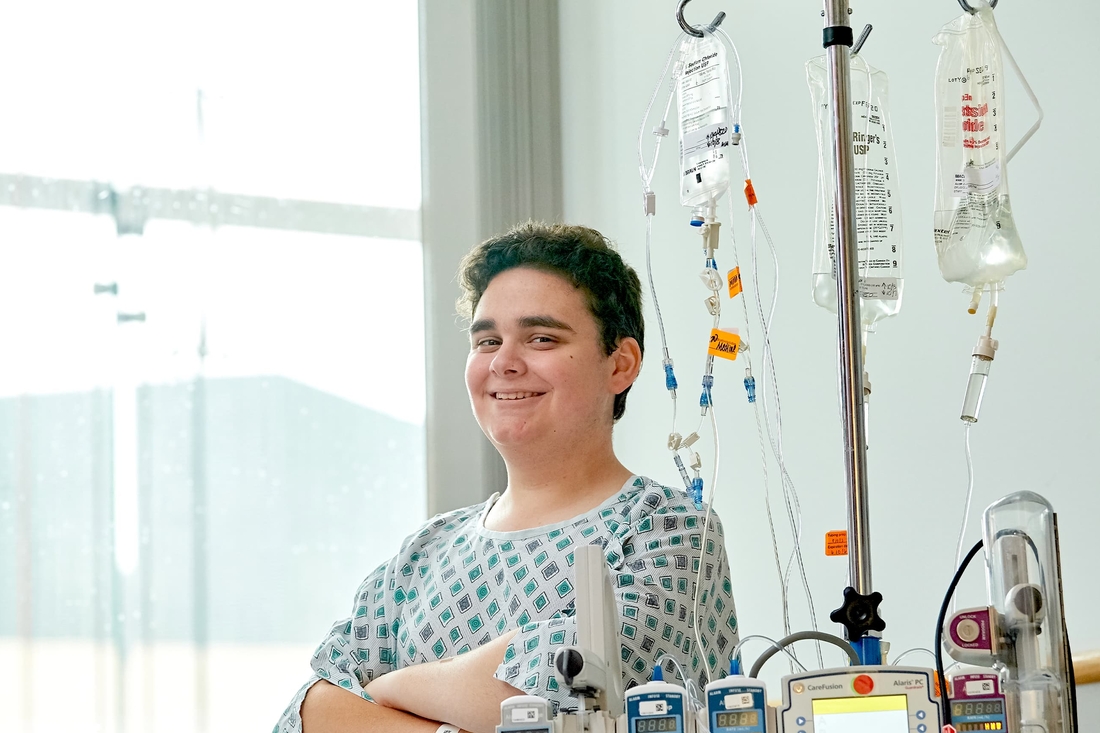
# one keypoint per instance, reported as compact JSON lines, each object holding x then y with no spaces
{"x":508,"y":360}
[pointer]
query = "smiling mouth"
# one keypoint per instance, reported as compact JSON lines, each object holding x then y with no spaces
{"x":514,"y":396}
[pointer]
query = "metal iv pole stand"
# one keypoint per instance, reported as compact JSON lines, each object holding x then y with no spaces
{"x":859,"y":614}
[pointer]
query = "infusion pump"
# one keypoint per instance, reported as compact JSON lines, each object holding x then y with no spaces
{"x":872,"y":699}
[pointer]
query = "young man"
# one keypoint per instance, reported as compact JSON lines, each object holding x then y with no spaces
{"x":473,"y":606}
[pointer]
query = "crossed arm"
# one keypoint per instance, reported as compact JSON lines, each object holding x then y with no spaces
{"x":459,"y":690}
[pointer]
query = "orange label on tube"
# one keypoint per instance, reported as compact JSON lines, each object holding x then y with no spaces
{"x":750,"y":192}
{"x":836,"y":543}
{"x":724,"y":343}
{"x":733,"y":279}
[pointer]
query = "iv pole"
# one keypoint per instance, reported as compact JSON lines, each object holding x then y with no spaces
{"x":859,"y":614}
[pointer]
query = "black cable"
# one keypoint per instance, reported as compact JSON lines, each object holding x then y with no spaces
{"x":1072,"y":676}
{"x":939,"y":628}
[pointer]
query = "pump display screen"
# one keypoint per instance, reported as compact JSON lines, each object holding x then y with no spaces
{"x":733,"y":720}
{"x":881,"y":714}
{"x":656,"y":725}
{"x":983,"y":707}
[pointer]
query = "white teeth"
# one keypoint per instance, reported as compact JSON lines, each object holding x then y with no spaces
{"x":516,"y":395}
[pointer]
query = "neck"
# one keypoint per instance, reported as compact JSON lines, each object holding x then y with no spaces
{"x":546,"y":489}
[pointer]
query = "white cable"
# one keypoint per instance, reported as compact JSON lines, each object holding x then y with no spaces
{"x":790,"y":494}
{"x":966,"y":505}
{"x":914,"y":650}
{"x":706,"y":528}
{"x":775,"y":644}
{"x":763,"y":450}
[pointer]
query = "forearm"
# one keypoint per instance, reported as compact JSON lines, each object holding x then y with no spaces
{"x":329,"y":709}
{"x":461,"y":690}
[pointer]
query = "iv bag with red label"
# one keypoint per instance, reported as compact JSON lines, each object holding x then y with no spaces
{"x":976,"y":239}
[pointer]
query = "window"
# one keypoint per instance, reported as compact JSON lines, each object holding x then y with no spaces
{"x":212,"y":339}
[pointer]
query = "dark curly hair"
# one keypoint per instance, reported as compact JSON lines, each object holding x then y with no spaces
{"x":582,"y":256}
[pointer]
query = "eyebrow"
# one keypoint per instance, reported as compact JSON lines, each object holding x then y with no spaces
{"x":488,"y":324}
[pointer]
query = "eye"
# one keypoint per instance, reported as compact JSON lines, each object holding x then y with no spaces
{"x":543,"y":340}
{"x":486,"y":343}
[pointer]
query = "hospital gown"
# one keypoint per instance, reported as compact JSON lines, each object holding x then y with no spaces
{"x":455,"y":585}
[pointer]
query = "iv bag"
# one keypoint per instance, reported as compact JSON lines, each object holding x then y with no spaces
{"x":976,"y":238}
{"x":703,"y":99}
{"x":878,"y":207}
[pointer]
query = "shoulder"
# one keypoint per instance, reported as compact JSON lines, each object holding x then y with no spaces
{"x":447,"y":527}
{"x":647,"y":506}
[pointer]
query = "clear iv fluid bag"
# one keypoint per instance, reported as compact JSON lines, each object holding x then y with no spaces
{"x":706,"y":127}
{"x":878,"y":204}
{"x":976,"y":238}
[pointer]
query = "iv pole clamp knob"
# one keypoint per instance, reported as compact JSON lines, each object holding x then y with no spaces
{"x":859,"y":614}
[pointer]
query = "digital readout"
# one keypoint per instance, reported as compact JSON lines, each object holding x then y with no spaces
{"x":989,"y":707}
{"x":655,"y":725}
{"x":732,"y":720}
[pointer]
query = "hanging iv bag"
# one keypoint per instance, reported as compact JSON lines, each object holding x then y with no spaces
{"x":976,"y":238}
{"x":877,"y":204}
{"x":706,"y":127}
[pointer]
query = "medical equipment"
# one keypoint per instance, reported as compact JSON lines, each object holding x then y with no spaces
{"x":592,"y":670}
{"x":706,"y":76}
{"x":878,"y":206}
{"x":706,"y":129}
{"x":977,"y":243}
{"x":1021,"y":633}
{"x":977,"y":702}
{"x":870,"y":699}
{"x":525,"y":714}
{"x":658,"y":706}
{"x":738,"y":704}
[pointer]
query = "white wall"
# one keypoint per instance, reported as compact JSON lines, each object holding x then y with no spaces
{"x":1038,"y":426}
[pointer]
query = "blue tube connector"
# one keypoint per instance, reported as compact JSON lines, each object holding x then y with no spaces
{"x":697,"y":492}
{"x":750,"y":388}
{"x":708,"y":384}
{"x":658,"y":673}
{"x":670,"y":377}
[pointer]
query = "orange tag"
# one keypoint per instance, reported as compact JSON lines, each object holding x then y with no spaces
{"x":936,"y":681}
{"x":724,"y":343}
{"x":836,"y":543}
{"x":733,"y":279}
{"x":750,"y":192}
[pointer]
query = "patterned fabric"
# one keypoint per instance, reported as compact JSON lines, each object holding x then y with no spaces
{"x":455,"y":585}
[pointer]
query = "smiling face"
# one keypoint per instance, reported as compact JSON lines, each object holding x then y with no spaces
{"x":538,"y":376}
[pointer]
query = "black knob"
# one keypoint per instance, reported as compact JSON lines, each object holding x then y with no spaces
{"x":569,"y":664}
{"x":859,"y":614}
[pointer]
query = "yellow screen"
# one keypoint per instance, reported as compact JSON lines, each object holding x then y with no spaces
{"x":835,"y":705}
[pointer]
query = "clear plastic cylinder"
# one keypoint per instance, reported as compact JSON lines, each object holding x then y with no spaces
{"x":1024,"y":580}
{"x":975,"y":388}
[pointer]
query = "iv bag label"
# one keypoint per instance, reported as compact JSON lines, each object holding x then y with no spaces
{"x":733,"y":279}
{"x":836,"y":543}
{"x":724,"y":343}
{"x":979,"y":179}
{"x":709,"y":139}
{"x":878,"y":288}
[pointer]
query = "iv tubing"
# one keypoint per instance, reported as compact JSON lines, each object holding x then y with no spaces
{"x":763,"y":452}
{"x":703,"y":542}
{"x":969,"y":495}
{"x":775,"y":645}
{"x":799,"y":636}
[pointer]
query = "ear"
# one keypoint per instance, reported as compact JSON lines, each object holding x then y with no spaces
{"x":627,"y":363}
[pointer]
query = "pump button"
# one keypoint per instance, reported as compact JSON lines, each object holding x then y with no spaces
{"x":968,"y":630}
{"x":863,"y":684}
